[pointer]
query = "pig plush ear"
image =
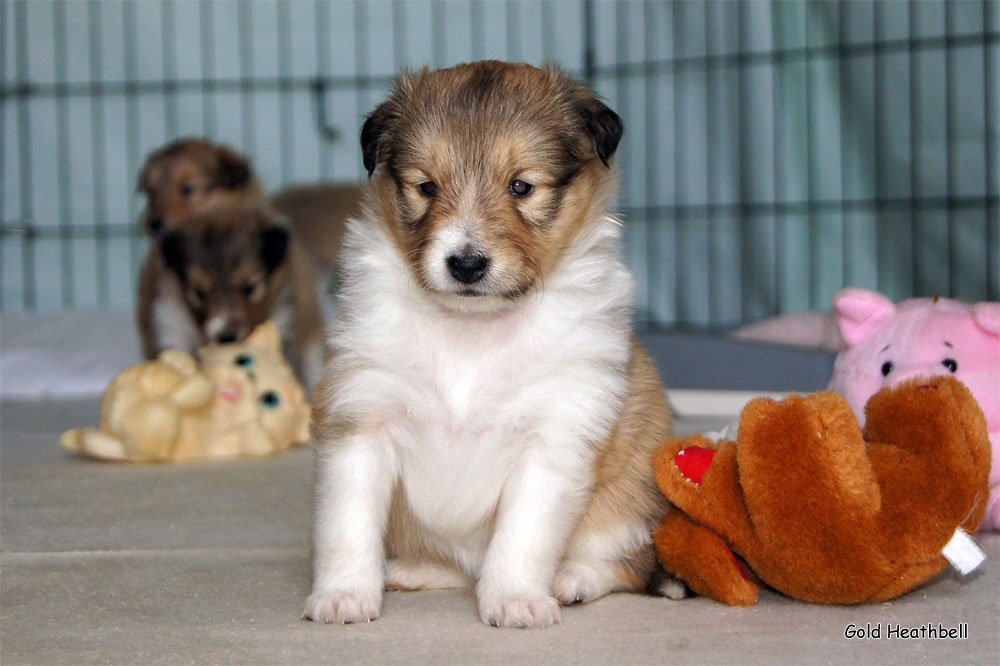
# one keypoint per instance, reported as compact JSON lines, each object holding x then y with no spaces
{"x":858,"y":312}
{"x":987,"y":315}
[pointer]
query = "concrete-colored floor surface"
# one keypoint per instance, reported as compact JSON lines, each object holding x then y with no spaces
{"x":208,"y":563}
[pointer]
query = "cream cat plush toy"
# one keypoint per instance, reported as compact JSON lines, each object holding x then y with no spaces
{"x":242,"y":400}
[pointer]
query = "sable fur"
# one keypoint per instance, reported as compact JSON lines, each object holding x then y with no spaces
{"x":318,"y":215}
{"x":185,"y":175}
{"x":819,"y":509}
{"x":495,"y":431}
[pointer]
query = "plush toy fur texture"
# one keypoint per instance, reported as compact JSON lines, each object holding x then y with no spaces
{"x":886,"y":343}
{"x":812,"y":506}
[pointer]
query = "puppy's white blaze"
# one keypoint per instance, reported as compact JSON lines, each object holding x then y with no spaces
{"x":214,"y":326}
{"x":455,"y":238}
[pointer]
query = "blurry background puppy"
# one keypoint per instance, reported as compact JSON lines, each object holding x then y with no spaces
{"x":178,"y":180}
{"x":486,"y":416}
{"x":192,"y":174}
{"x":318,"y":213}
{"x":237,"y":264}
{"x":185,"y":175}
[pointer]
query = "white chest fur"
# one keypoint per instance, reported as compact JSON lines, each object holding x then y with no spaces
{"x":462,"y":396}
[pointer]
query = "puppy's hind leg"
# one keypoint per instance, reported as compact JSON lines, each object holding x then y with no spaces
{"x":618,"y":558}
{"x":611,"y":548}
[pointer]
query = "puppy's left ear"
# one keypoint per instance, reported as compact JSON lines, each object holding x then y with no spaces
{"x":273,"y":246}
{"x":234,"y":169}
{"x":603,"y":125}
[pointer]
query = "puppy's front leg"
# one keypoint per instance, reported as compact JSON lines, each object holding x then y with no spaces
{"x":354,"y":479}
{"x":540,"y":505}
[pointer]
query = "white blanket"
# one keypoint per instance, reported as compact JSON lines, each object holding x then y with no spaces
{"x":65,"y":353}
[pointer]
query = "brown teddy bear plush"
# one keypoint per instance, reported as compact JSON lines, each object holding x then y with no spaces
{"x":808,"y":504}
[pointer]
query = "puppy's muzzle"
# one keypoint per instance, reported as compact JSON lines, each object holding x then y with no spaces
{"x":468,"y":267}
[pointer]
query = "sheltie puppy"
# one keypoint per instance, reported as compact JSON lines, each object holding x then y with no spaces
{"x":185,"y":175}
{"x":192,"y":174}
{"x":178,"y":180}
{"x":236,"y":265}
{"x":486,"y":416}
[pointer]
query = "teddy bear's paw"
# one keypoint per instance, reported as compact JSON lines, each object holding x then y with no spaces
{"x":532,"y":612}
{"x":337,"y":607}
{"x":577,"y":582}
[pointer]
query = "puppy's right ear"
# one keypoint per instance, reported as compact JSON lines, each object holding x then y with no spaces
{"x":172,"y":250}
{"x":374,"y":134}
{"x":234,"y":169}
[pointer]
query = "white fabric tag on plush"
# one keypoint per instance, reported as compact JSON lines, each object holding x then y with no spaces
{"x":963,"y":553}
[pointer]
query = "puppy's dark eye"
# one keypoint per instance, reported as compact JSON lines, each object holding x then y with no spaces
{"x":270,"y":399}
{"x":887,"y":367}
{"x":248,"y":288}
{"x":519,"y":188}
{"x":187,"y":189}
{"x":428,"y":188}
{"x":245,"y":361}
{"x":951,"y":364}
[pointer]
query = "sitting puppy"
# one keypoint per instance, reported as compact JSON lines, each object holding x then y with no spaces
{"x":236,"y":265}
{"x":486,"y":415}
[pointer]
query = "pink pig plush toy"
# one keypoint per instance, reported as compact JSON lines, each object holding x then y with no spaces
{"x":886,"y":343}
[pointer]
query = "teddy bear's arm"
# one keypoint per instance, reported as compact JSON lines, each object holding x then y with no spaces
{"x":699,"y":476}
{"x":701,"y":558}
{"x":931,"y":451}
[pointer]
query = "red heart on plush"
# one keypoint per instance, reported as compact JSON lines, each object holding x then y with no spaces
{"x":693,"y":461}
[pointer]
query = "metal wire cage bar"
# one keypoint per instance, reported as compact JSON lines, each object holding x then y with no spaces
{"x":774,"y":151}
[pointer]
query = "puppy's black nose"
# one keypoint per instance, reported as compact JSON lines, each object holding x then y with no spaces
{"x":226,"y":336}
{"x":155,"y":225}
{"x":468,"y":268}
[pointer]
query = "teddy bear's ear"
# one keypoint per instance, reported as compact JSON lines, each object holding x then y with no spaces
{"x":987,"y":316}
{"x":858,"y":312}
{"x":265,"y":336}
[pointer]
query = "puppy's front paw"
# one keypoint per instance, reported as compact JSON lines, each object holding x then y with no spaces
{"x":342,"y":607}
{"x":521,"y":612}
